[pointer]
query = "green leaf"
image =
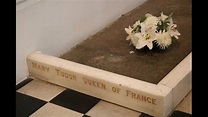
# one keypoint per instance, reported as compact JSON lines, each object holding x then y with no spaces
{"x":143,"y":19}
{"x":136,"y":29}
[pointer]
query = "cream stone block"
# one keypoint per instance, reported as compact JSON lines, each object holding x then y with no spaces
{"x":154,"y":99}
{"x":179,"y":79}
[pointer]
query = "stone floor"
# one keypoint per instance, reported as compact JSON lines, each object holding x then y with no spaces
{"x":37,"y":98}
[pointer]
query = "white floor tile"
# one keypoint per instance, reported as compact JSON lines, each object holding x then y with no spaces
{"x":52,"y":110}
{"x":186,"y":104}
{"x":106,"y":109}
{"x":41,"y":89}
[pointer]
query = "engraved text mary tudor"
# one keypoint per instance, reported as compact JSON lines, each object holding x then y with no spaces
{"x":40,"y":67}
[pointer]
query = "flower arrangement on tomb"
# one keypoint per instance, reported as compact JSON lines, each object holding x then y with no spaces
{"x":151,"y":29}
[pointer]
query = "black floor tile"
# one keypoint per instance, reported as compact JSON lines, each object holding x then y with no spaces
{"x":76,"y":101}
{"x":180,"y":114}
{"x":145,"y":115}
{"x":85,"y":116}
{"x":24,"y":82}
{"x":26,"y":105}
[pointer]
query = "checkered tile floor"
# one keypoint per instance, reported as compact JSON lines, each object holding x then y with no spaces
{"x":36,"y":98}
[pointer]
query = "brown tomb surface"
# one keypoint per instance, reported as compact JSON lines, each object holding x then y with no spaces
{"x":109,"y":50}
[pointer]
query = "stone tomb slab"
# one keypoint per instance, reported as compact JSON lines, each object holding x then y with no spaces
{"x":150,"y":81}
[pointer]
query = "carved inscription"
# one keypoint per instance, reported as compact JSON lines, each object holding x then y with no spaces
{"x":40,"y":67}
{"x":94,"y":83}
{"x":65,"y":74}
{"x":140,"y":97}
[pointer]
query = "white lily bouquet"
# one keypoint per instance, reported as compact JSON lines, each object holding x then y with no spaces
{"x":151,"y":29}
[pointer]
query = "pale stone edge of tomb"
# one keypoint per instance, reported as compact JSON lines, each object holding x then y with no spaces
{"x":154,"y":99}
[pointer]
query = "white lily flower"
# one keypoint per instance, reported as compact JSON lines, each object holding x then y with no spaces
{"x":136,"y":24}
{"x":131,"y":36}
{"x":171,"y":29}
{"x":148,"y":15}
{"x":128,"y":30}
{"x":146,"y":37}
{"x":134,"y":39}
{"x":163,"y":17}
{"x":143,"y":42}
